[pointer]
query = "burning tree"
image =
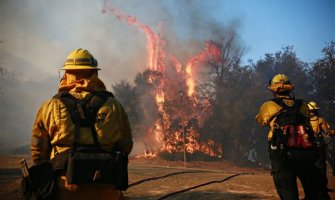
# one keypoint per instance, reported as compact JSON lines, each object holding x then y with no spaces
{"x":170,"y":124}
{"x":172,"y":111}
{"x":183,"y":116}
{"x":230,"y":89}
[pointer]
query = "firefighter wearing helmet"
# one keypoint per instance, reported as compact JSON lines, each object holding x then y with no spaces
{"x":319,"y":124}
{"x":291,"y":157}
{"x":322,"y":131}
{"x":82,"y":121}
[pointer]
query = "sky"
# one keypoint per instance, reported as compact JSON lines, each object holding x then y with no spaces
{"x":43,"y":32}
{"x":269,"y":25}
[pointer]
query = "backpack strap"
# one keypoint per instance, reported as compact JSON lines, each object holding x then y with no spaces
{"x":83,"y":112}
{"x":95,"y":103}
{"x":71,"y":103}
{"x":280,"y":101}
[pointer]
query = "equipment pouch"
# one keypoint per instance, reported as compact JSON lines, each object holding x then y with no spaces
{"x":41,"y":182}
{"x":298,"y":137}
{"x":87,"y":167}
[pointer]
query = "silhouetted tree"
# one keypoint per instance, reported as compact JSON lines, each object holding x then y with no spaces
{"x":285,"y":62}
{"x":225,"y":83}
{"x":322,"y":76}
{"x":126,"y":94}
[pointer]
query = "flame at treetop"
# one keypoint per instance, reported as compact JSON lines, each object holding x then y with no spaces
{"x":210,"y":51}
{"x":167,"y":89}
{"x":155,"y":43}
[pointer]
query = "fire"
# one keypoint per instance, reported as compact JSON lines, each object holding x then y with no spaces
{"x":185,"y":138}
{"x":154,"y":41}
{"x":176,"y":63}
{"x":210,"y":51}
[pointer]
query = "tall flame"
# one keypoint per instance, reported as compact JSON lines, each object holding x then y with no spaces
{"x":154,"y":41}
{"x":155,"y":61}
{"x":155,"y":58}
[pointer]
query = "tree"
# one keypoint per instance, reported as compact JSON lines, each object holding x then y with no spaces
{"x":322,"y":79}
{"x":285,"y":62}
{"x":224,"y":83}
{"x":126,"y":94}
{"x":140,"y":103}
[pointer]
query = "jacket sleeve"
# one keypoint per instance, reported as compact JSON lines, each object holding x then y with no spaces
{"x":261,"y":116}
{"x":266,"y":113}
{"x":126,"y":142}
{"x":40,"y":141}
{"x":325,"y":127}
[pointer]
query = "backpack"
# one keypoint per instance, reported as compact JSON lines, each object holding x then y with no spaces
{"x":89,"y":164}
{"x":291,"y":128}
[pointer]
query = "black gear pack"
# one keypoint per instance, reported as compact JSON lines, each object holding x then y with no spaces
{"x":291,"y":128}
{"x":38,"y":181}
{"x":88,"y":164}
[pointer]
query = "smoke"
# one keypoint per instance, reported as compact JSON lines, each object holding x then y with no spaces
{"x":41,"y":33}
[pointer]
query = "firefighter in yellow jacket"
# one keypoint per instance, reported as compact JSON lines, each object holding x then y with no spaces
{"x":288,"y":165}
{"x":321,"y":129}
{"x":54,"y":131}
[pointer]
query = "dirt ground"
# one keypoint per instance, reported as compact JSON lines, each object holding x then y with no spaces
{"x":167,"y":177}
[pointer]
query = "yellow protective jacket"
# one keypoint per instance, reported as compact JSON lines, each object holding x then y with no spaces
{"x":53,"y":129}
{"x":320,"y":126}
{"x":265,"y":116}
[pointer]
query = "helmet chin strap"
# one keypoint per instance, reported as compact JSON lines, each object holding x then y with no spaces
{"x":289,"y":94}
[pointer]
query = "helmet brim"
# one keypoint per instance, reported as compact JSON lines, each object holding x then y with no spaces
{"x":79,"y":67}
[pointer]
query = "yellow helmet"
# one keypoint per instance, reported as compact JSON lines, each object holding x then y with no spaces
{"x":80,"y":59}
{"x":280,"y":83}
{"x":313,"y":105}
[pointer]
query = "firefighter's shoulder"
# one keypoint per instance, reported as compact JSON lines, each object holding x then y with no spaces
{"x":269,"y":106}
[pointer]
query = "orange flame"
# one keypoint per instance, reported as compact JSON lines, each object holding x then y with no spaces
{"x":176,"y":63}
{"x":154,"y":41}
{"x":155,"y":61}
{"x":210,"y":51}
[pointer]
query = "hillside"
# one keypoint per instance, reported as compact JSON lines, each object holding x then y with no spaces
{"x":23,"y":87}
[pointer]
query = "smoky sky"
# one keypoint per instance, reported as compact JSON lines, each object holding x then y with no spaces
{"x":44,"y":32}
